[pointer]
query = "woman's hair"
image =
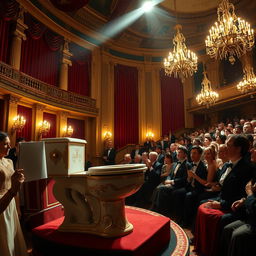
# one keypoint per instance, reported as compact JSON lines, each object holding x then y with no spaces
{"x":212,"y":151}
{"x":3,"y":135}
{"x":169,"y":156}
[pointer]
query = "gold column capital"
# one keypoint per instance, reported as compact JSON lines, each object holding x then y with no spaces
{"x":12,"y":99}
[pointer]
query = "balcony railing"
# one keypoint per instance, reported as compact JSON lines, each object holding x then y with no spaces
{"x":27,"y":86}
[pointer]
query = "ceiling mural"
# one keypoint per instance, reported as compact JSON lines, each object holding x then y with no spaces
{"x":156,"y":30}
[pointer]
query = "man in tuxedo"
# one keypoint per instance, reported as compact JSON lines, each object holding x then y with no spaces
{"x":109,"y":154}
{"x":186,"y":197}
{"x":152,"y":180}
{"x":162,"y":199}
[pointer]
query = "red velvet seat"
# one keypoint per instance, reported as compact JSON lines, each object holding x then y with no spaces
{"x":207,"y":230}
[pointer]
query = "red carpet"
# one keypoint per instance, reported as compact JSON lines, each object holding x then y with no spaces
{"x":150,"y":236}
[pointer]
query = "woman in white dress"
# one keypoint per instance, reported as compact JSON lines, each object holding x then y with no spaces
{"x":11,"y":238}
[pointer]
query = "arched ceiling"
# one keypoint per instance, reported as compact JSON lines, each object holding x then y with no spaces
{"x":154,"y":31}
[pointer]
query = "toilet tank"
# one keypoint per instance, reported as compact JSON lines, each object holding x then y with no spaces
{"x":64,"y":156}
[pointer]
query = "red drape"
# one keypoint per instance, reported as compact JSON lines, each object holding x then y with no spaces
{"x":51,"y":118}
{"x":4,"y":39}
{"x":198,"y":120}
{"x":172,"y":100}
{"x":1,"y":114}
{"x":78,"y":126}
{"x":79,"y":74}
{"x":40,"y":53}
{"x":126,"y":126}
{"x":26,"y":132}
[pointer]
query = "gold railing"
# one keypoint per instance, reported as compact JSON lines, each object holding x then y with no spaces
{"x":27,"y":86}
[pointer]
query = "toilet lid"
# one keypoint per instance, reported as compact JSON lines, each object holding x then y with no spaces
{"x":116,"y":169}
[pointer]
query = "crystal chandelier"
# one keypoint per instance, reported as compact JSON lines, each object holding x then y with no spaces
{"x":230,"y":36}
{"x":181,"y":62}
{"x":249,"y":80}
{"x":207,"y":96}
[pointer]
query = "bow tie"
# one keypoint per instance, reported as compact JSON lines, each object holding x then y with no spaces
{"x":193,"y":164}
{"x":178,"y":162}
{"x":229,"y":165}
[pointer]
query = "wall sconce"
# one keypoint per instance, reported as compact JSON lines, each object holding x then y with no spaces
{"x":19,"y":123}
{"x":44,"y":127}
{"x":107,"y":135}
{"x":150,"y":135}
{"x":68,"y":131}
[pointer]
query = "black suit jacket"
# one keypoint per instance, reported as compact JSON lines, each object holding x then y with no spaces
{"x":233,"y":187}
{"x":201,"y":171}
{"x":160,"y":159}
{"x":153,"y":176}
{"x":110,"y":157}
{"x":180,"y":178}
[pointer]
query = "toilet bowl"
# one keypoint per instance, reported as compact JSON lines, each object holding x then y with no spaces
{"x":93,"y":201}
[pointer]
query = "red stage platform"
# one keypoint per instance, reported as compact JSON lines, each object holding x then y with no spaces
{"x":151,"y":236}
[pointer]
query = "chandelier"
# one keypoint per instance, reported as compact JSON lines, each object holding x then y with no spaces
{"x":249,"y":80}
{"x":230,"y":36}
{"x":181,"y":62}
{"x":207,"y":96}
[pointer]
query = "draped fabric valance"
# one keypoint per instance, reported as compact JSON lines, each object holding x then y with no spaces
{"x":36,"y":30}
{"x":41,"y":52}
{"x":9,"y":9}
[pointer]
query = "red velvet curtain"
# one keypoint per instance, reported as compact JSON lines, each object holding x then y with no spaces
{"x":78,"y":126}
{"x":126,"y":126}
{"x":4,"y":39}
{"x":26,"y":132}
{"x":8,"y":12}
{"x":79,"y":74}
{"x":51,"y":118}
{"x":172,"y":99}
{"x":1,"y":114}
{"x":198,"y":120}
{"x":40,"y":53}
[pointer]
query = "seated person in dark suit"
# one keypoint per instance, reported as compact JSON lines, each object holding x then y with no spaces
{"x":109,"y":154}
{"x":152,"y":180}
{"x":239,"y":237}
{"x":14,"y":152}
{"x":238,"y":173}
{"x":186,"y":197}
{"x":233,"y":182}
{"x":137,"y":151}
{"x":177,"y":178}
